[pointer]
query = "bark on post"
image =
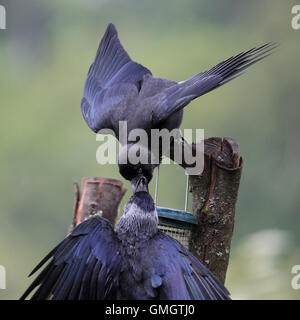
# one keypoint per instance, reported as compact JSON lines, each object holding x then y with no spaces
{"x":214,"y":195}
{"x":97,"y":194}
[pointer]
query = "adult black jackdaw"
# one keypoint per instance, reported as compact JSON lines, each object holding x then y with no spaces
{"x":119,"y":89}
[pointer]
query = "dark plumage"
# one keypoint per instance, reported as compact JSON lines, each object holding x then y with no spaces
{"x":85,"y":265}
{"x":134,"y":171}
{"x":136,"y":261}
{"x":156,"y":265}
{"x":118,"y":89}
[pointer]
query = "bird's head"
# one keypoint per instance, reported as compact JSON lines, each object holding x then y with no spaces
{"x":135,"y":166}
{"x":140,"y":212}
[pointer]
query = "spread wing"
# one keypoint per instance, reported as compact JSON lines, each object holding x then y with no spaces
{"x":112,"y":66}
{"x":177,"y":275}
{"x":178,"y":96}
{"x":85,"y":265}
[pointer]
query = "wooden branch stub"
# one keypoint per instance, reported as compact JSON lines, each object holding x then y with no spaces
{"x":214,"y":198}
{"x":214,"y":193}
{"x":76,"y":202}
{"x":98,"y":194}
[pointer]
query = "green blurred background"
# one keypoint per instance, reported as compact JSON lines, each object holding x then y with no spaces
{"x":45,"y":144}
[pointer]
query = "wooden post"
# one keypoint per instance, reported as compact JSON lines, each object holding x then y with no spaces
{"x":97,"y":194}
{"x":215,"y":194}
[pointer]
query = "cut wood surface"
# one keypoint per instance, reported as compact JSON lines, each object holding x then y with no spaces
{"x":98,"y":194}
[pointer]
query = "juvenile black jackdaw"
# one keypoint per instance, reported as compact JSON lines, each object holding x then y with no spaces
{"x":136,"y":262}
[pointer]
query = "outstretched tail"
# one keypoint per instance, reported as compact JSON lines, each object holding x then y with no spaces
{"x":178,"y":96}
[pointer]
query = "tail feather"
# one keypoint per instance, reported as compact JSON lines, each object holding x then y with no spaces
{"x":232,"y":67}
{"x":177,"y":97}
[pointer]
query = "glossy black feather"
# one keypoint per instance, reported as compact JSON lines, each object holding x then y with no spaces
{"x":111,"y":67}
{"x":118,"y":89}
{"x":70,"y":274}
{"x":94,"y":262}
{"x":177,"y":97}
{"x":183,"y":276}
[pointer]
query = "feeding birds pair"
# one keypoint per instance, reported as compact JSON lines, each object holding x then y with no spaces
{"x":136,"y":261}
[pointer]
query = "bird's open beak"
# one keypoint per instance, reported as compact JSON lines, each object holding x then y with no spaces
{"x":140,"y":184}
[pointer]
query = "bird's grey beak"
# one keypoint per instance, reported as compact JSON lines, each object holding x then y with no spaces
{"x":139,"y":184}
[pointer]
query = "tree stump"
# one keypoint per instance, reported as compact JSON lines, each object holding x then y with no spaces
{"x":214,"y":194}
{"x":98,"y":194}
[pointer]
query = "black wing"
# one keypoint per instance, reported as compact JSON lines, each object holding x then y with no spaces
{"x":111,"y":67}
{"x":178,"y":96}
{"x":85,"y":265}
{"x":177,"y":275}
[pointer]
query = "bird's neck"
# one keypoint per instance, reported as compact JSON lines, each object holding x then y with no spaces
{"x":137,"y":223}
